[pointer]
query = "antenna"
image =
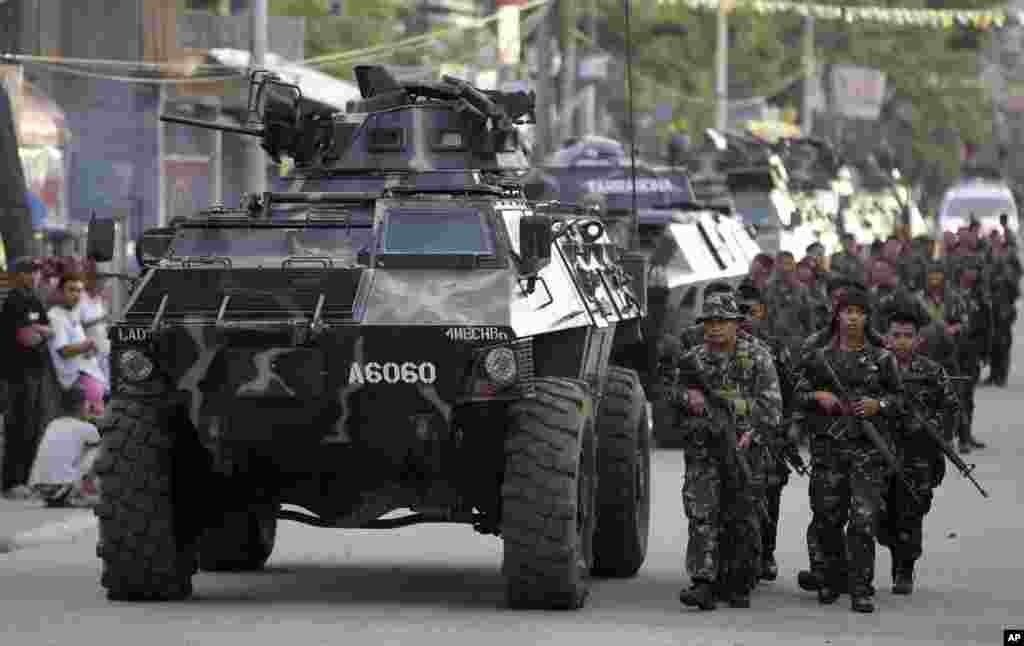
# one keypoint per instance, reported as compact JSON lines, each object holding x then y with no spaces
{"x":632,"y":123}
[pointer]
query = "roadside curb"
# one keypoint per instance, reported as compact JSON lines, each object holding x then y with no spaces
{"x":62,"y":531}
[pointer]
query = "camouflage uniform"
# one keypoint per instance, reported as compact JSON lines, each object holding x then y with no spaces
{"x":791,"y":312}
{"x":931,"y":393}
{"x":848,"y":266}
{"x":1004,"y":274}
{"x":941,"y":348}
{"x":848,"y":472}
{"x":776,"y":470}
{"x":974,"y":346}
{"x":884,"y":301}
{"x":724,"y":545}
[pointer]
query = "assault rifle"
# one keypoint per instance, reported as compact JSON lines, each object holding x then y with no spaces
{"x":868,"y":429}
{"x":788,"y":454}
{"x":733,"y":457}
{"x":933,"y":434}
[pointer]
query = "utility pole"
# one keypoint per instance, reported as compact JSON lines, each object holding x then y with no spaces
{"x":589,"y":120}
{"x":257,"y":164}
{"x":810,"y":78}
{"x":568,"y":71}
{"x":543,"y":130}
{"x":722,"y":56}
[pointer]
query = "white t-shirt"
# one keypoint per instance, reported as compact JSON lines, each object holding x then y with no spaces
{"x":67,"y":330}
{"x":62,"y":452}
{"x":90,"y":308}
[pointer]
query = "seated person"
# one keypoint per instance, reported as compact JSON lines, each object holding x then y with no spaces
{"x":62,"y":473}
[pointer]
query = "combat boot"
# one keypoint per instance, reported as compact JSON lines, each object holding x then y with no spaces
{"x":769,"y":568}
{"x":862,"y":603}
{"x":827,"y":595}
{"x":809,"y":580}
{"x":699,"y":594}
{"x":903,"y":577}
{"x":739,"y":598}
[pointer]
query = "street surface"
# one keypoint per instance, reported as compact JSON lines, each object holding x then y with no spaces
{"x":441,"y":584}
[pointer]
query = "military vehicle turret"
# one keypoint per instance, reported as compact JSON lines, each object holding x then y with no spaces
{"x":400,"y":330}
{"x":686,"y":244}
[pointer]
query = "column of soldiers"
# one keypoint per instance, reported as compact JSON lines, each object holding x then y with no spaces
{"x":873,"y":364}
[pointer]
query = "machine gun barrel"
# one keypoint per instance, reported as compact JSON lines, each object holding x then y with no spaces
{"x":256,"y":132}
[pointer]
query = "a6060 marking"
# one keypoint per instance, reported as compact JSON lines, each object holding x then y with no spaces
{"x":392,"y":373}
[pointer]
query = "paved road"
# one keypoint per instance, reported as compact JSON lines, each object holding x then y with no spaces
{"x":441,"y":584}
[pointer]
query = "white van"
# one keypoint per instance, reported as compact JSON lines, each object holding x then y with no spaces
{"x":984,"y":199}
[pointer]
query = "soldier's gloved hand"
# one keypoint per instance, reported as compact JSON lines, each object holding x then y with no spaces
{"x":827,"y":402}
{"x":696,"y":404}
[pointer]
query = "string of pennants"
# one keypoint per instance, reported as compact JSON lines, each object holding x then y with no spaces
{"x":983,"y":20}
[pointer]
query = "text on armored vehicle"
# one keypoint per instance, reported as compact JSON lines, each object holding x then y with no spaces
{"x":133,"y":334}
{"x":476,"y":334}
{"x":392,"y":373}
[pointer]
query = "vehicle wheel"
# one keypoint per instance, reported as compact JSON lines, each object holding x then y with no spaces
{"x":549,"y":497}
{"x":240,"y":542}
{"x":623,"y":476}
{"x":148,"y":554}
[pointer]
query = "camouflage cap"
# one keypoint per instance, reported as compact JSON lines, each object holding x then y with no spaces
{"x":720,"y":307}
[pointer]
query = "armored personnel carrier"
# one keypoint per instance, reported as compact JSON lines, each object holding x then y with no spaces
{"x":687,"y":244}
{"x":401,"y":331}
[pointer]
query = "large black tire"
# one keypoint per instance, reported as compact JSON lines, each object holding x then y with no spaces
{"x":549,"y":497}
{"x":623,"y":476}
{"x":147,"y":553}
{"x":240,"y":542}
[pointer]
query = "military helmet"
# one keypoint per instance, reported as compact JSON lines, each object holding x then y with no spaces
{"x":720,"y":307}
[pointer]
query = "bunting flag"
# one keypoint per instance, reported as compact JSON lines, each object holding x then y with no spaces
{"x":982,"y":20}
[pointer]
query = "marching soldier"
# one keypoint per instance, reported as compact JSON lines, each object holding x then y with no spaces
{"x":974,"y":345}
{"x":728,"y":390}
{"x":887,"y":291}
{"x":933,"y":401}
{"x":758,"y":323}
{"x":789,"y":303}
{"x":1004,"y":274}
{"x":852,"y":392}
{"x":848,"y":263}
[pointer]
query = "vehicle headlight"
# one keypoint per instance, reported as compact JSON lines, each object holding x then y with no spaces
{"x":500,"y":366}
{"x":135,"y":366}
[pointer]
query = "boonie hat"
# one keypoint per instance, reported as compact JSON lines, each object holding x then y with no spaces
{"x":720,"y":307}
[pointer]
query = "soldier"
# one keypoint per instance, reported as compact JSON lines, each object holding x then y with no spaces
{"x":1004,"y":274}
{"x":974,"y":345}
{"x":758,"y":323}
{"x":931,"y":395}
{"x":693,"y":335}
{"x":836,"y":291}
{"x":850,"y":431}
{"x":761,"y":268}
{"x":848,"y":263}
{"x":728,"y":390}
{"x":887,"y":291}
{"x":947,"y":322}
{"x":789,"y":303}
